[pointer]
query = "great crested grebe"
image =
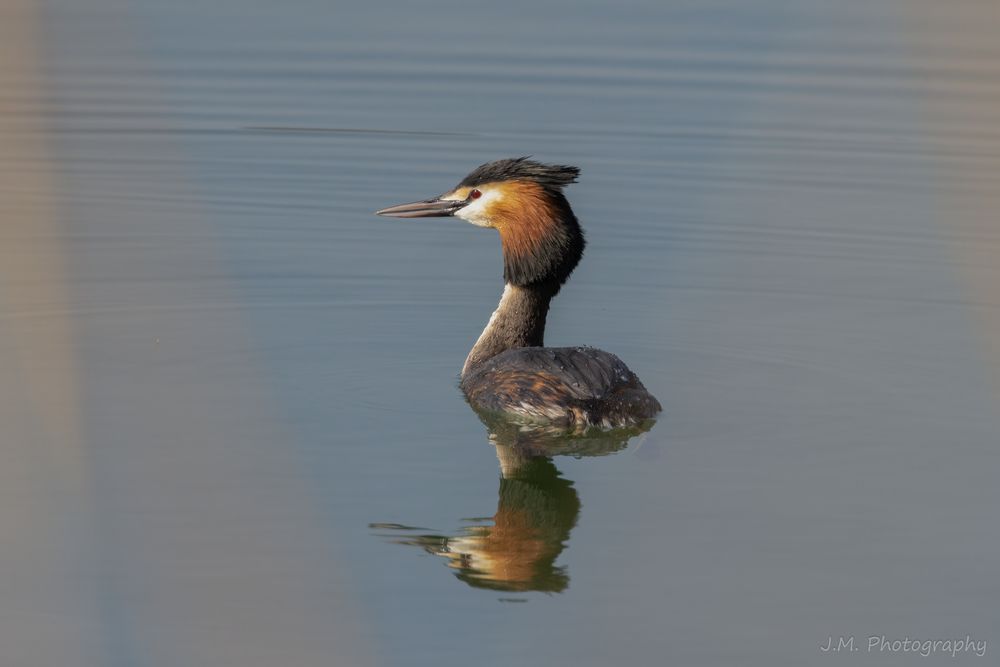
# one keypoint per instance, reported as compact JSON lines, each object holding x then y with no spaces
{"x":508,"y":370}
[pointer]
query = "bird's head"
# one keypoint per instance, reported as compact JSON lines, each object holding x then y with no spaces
{"x":523,"y":200}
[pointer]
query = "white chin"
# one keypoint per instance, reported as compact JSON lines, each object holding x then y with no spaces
{"x":478,"y":221}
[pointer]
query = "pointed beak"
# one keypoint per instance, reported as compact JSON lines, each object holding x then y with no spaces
{"x":429,"y":208}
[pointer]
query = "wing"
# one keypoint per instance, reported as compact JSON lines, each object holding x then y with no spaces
{"x":562,"y":385}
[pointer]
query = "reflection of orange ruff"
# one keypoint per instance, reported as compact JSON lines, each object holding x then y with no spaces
{"x":536,"y":508}
{"x":536,"y":511}
{"x":511,"y":551}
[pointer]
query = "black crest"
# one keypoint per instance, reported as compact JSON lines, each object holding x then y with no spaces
{"x":553,"y":177}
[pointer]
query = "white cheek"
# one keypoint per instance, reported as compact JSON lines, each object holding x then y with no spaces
{"x":476,"y":212}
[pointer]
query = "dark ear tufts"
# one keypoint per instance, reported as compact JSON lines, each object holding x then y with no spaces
{"x":550,"y":176}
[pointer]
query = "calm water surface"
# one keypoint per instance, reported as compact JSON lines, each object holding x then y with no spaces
{"x":230,"y":423}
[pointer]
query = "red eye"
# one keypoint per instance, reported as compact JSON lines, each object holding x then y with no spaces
{"x":475,"y":194}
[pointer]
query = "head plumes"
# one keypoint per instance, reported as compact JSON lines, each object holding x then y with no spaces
{"x":552,"y":177}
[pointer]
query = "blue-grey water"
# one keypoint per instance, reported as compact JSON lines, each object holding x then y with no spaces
{"x":231,"y":432}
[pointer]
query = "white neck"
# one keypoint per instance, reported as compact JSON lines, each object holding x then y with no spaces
{"x":518,"y":321}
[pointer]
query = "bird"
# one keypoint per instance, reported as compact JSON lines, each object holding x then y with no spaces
{"x":509,"y":370}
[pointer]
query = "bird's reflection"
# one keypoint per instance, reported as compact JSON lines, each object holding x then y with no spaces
{"x":516,"y":549}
